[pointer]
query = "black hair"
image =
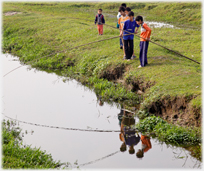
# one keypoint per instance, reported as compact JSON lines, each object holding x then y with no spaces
{"x":130,"y":13}
{"x":123,"y":4}
{"x":121,"y":9}
{"x":100,"y":9}
{"x":128,"y":9}
{"x":123,"y":147}
{"x":140,"y":154}
{"x":132,"y":151}
{"x":138,"y":18}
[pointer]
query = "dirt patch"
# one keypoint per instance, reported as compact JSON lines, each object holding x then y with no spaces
{"x":137,"y":84}
{"x":113,"y":72}
{"x":12,"y":13}
{"x":177,"y":111}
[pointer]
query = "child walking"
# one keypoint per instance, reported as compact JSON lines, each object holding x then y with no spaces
{"x":144,"y":41}
{"x":129,"y":26}
{"x":100,"y":20}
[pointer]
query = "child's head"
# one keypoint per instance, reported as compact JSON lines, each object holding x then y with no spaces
{"x":122,"y":10}
{"x":131,"y":150}
{"x":131,"y":15}
{"x":123,"y":5}
{"x":140,"y":154}
{"x":139,"y":20}
{"x":127,"y":10}
{"x":123,"y":147}
{"x":100,"y":11}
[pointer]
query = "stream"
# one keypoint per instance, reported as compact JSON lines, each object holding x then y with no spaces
{"x":40,"y":97}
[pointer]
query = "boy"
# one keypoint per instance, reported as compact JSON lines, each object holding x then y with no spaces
{"x":118,"y":16}
{"x":129,"y":26}
{"x":144,"y":41}
{"x":128,"y":134}
{"x":100,"y":20}
{"x":127,"y":10}
{"x":121,"y":22}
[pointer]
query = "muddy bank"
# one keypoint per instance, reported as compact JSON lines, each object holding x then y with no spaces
{"x":177,"y":110}
{"x":174,"y":109}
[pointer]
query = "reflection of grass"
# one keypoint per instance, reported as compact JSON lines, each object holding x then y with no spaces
{"x":44,"y":28}
{"x":18,"y":157}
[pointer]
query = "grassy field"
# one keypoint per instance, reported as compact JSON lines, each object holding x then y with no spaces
{"x":171,"y":85}
{"x":15,"y":155}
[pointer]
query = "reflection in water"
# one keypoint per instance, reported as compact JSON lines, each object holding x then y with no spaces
{"x":45,"y":104}
{"x":146,"y":145}
{"x":91,"y":162}
{"x":128,"y":133}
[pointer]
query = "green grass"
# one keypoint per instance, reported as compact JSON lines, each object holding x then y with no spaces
{"x":169,"y":133}
{"x":17,"y":156}
{"x":46,"y":28}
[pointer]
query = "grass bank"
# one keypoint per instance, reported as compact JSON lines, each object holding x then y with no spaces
{"x":169,"y":87}
{"x":17,"y":156}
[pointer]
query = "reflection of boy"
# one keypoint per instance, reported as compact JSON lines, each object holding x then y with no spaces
{"x":127,"y":134}
{"x":146,"y":145}
{"x":120,"y":116}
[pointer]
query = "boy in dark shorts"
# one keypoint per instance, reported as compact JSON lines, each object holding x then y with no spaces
{"x":127,"y":10}
{"x":121,"y":22}
{"x":129,"y":26}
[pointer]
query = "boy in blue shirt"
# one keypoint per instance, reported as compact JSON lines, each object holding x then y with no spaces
{"x":129,"y":26}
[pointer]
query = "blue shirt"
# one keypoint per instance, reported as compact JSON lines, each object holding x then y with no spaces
{"x":130,"y":27}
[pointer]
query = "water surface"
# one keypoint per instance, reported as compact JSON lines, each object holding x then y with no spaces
{"x":43,"y":98}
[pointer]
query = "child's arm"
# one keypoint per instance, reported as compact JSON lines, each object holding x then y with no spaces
{"x":122,"y":30}
{"x":136,"y":30}
{"x":148,"y":31}
{"x":103,"y":19}
{"x":121,"y":33}
{"x":96,"y":19}
{"x":120,"y":27}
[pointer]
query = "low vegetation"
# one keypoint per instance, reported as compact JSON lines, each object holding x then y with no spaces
{"x":18,"y":156}
{"x":169,"y":133}
{"x":169,"y":87}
